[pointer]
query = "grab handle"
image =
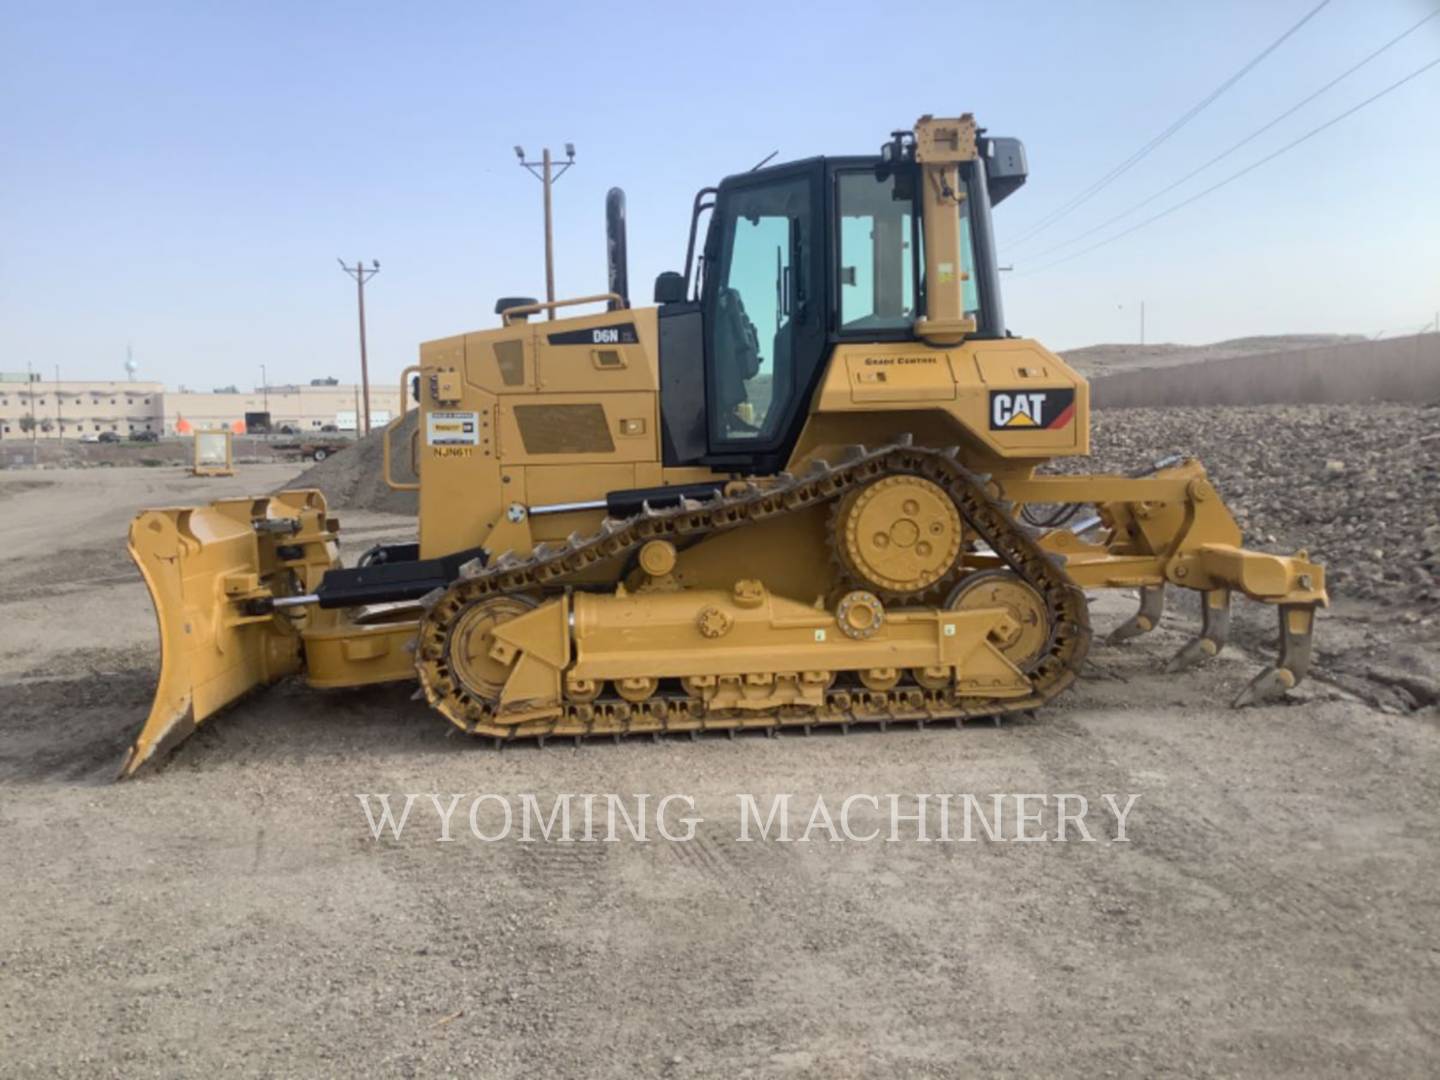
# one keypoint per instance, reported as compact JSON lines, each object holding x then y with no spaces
{"x":390,"y":482}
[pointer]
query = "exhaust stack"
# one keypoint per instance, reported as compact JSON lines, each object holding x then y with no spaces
{"x":617,"y":260}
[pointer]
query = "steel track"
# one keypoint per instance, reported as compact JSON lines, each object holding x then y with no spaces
{"x":548,"y":566}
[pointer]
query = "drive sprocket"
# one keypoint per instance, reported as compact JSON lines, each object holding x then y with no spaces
{"x":899,"y":535}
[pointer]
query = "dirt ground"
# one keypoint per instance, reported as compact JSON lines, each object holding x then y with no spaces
{"x":1271,"y":913}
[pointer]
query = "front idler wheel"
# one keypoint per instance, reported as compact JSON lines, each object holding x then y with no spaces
{"x":986,"y":589}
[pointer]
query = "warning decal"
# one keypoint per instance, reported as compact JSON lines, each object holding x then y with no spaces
{"x":452,"y":429}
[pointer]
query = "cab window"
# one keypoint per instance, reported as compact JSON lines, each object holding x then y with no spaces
{"x":877,"y":253}
{"x":970,"y":288}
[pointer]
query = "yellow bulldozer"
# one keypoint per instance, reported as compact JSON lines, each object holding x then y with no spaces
{"x":802,"y":489}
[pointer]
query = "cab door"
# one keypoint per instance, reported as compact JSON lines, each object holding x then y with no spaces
{"x":765,"y":312}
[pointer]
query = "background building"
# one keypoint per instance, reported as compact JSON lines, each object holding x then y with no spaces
{"x":70,"y":409}
{"x":301,"y":408}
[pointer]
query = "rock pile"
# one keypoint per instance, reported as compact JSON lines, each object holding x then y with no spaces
{"x":1358,"y":486}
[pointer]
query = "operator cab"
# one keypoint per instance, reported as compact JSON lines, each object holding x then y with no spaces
{"x":796,"y":259}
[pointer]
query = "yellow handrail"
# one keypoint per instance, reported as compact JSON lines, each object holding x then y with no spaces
{"x":530,"y":309}
{"x":392,"y":484}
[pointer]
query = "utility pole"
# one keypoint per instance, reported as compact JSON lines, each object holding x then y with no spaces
{"x":59,"y":416}
{"x":547,"y":177}
{"x":1121,"y":307}
{"x":361,"y":274}
{"x":265,"y":392}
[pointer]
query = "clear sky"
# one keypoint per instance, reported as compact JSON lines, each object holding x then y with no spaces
{"x":183,"y":176}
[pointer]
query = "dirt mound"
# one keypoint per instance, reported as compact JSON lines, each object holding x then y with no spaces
{"x":1104,"y":359}
{"x":354,"y":478}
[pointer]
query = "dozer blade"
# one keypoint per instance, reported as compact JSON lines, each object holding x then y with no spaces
{"x":206,"y":568}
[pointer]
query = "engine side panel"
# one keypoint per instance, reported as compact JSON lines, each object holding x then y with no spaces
{"x":535,"y":412}
{"x":1011,"y":399}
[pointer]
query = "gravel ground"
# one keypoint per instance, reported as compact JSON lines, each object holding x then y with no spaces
{"x":354,"y":479}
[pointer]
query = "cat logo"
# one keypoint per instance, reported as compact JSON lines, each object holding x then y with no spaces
{"x":1012,"y":409}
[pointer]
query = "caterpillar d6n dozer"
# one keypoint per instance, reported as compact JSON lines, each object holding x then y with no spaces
{"x":800,"y":490}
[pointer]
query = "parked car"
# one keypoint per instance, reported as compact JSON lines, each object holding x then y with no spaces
{"x":330,"y":429}
{"x":90,"y":438}
{"x":109,"y":436}
{"x":145,"y":436}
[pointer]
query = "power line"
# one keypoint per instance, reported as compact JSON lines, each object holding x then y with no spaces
{"x":1144,"y":151}
{"x":1247,"y":139}
{"x":1248,"y":168}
